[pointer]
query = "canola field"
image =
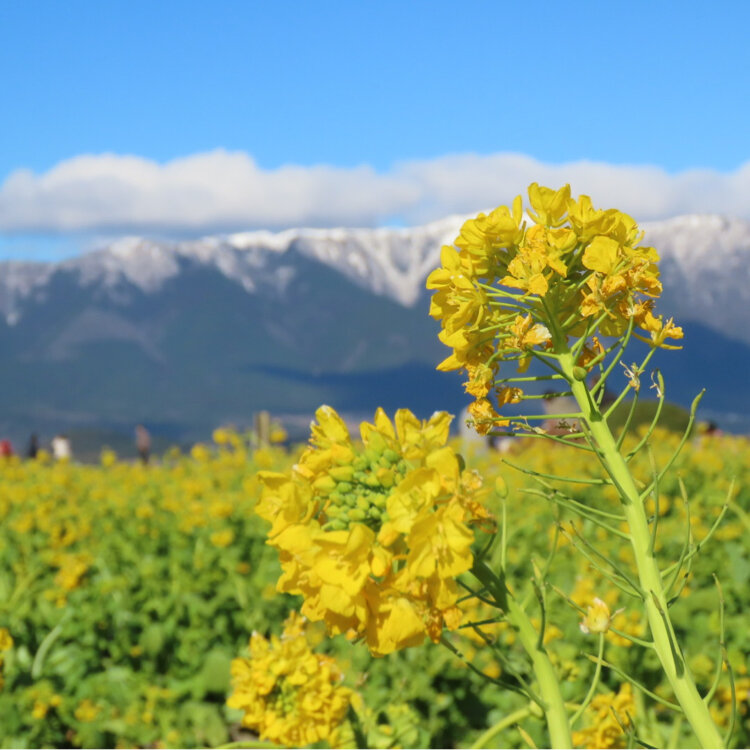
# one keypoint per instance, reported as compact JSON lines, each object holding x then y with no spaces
{"x":127,"y":590}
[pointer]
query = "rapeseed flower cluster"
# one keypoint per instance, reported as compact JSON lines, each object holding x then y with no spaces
{"x":173,"y":549}
{"x":86,"y":711}
{"x":153,"y":538}
{"x":44,"y":699}
{"x":611,"y":714}
{"x":374,"y":536}
{"x":289,"y":694}
{"x":507,"y":289}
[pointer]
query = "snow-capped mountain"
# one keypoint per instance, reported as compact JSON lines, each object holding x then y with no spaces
{"x":390,"y":262}
{"x":706,"y":270}
{"x":705,"y":264}
{"x":197,"y":332}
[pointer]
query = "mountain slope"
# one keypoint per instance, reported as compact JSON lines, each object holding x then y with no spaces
{"x":184,"y":335}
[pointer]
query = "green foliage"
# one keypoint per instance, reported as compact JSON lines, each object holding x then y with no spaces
{"x":121,"y":599}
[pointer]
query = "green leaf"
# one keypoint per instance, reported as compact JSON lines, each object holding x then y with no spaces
{"x":152,"y":639}
{"x":215,"y":672}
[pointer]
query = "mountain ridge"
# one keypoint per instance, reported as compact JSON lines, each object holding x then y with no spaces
{"x":389,"y":262}
{"x":190,"y":334}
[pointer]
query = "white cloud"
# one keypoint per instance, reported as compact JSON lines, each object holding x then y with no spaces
{"x":226,"y":191}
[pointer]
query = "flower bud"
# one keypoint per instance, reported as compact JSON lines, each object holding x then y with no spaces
{"x":342,"y":473}
{"x":598,"y":618}
{"x":501,"y":488}
{"x":324,"y":484}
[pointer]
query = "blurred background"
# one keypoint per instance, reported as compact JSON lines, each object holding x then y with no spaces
{"x":208,"y":210}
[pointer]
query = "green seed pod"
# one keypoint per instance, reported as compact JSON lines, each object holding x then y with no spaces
{"x":579,"y":373}
{"x":501,"y":488}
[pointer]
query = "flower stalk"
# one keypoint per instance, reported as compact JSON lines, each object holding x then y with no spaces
{"x":553,"y":292}
{"x":548,"y":685}
{"x":649,"y":575}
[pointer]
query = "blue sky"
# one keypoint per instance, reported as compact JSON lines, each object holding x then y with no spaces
{"x":125,"y":117}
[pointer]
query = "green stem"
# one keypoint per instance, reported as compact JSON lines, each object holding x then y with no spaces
{"x":504,"y":723}
{"x":655,"y":601}
{"x":45,"y":646}
{"x":360,"y":738}
{"x":674,"y":737}
{"x":548,"y":684}
{"x":594,"y":683}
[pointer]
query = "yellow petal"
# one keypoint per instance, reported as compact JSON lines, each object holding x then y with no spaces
{"x":601,"y":254}
{"x":331,"y":424}
{"x":538,"y":284}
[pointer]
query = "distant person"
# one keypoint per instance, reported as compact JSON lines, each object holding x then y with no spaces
{"x":61,"y":448}
{"x":712,"y":430}
{"x":143,"y":443}
{"x":6,"y":448}
{"x":33,"y":450}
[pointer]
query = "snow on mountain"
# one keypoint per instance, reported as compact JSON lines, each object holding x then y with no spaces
{"x":143,"y":263}
{"x":705,"y":264}
{"x":705,"y":270}
{"x":18,"y":281}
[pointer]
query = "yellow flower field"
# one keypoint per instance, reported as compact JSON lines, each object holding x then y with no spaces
{"x":126,"y":591}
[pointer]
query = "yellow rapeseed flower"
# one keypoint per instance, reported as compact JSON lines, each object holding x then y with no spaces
{"x":108,"y":458}
{"x":221,"y":436}
{"x":597,"y":619}
{"x":86,"y":711}
{"x":609,"y":713}
{"x":6,"y":640}
{"x":289,"y":694}
{"x":505,"y":290}
{"x":72,"y":569}
{"x":278,"y":434}
{"x":373,"y":536}
{"x":484,"y":416}
{"x":222,"y":538}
